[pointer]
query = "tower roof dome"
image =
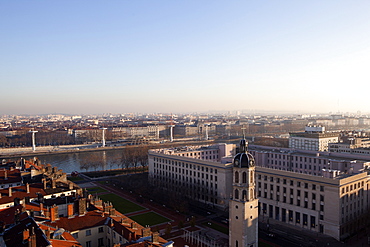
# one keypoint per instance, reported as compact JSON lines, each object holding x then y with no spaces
{"x":243,"y":159}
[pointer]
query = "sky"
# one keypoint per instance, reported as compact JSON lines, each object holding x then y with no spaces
{"x":91,"y":57}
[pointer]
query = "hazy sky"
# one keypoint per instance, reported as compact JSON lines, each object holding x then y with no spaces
{"x":184,"y":56}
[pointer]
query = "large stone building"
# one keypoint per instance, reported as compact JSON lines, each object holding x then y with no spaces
{"x":200,"y":172}
{"x":307,"y":189}
{"x":314,"y":138}
{"x":351,"y":145}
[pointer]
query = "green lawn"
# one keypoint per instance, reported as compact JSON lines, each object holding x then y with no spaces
{"x":122,"y":205}
{"x":217,"y":227}
{"x":93,"y":190}
{"x":150,"y":219}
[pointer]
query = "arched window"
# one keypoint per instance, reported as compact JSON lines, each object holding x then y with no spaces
{"x":236,"y":177}
{"x":244,"y":177}
{"x":244,"y":197}
{"x":236,"y":194}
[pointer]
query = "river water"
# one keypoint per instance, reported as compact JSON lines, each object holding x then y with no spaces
{"x":83,"y":161}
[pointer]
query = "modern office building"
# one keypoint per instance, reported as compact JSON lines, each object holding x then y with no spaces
{"x":314,"y":138}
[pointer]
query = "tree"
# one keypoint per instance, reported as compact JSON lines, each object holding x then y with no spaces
{"x":3,"y":141}
{"x":126,"y":158}
{"x":92,"y":160}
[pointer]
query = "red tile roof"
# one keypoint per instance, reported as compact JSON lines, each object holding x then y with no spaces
{"x":8,"y":176}
{"x":7,"y":215}
{"x":90,"y":219}
{"x":21,"y":193}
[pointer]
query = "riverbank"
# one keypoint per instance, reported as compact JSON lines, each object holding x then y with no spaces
{"x":9,"y":153}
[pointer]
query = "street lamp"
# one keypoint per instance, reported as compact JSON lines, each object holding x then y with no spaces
{"x":33,"y":140}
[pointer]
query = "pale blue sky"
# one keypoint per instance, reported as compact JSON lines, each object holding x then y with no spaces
{"x":184,"y":56}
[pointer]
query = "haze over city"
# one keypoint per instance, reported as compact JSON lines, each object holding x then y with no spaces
{"x":169,"y":56}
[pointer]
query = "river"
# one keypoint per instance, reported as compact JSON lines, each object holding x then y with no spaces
{"x":69,"y":162}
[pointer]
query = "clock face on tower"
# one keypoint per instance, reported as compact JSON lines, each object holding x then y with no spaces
{"x":236,"y":163}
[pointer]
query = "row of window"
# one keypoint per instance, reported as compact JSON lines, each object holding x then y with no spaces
{"x":196,"y":192}
{"x":200,"y":175}
{"x":297,"y":192}
{"x":291,"y":182}
{"x":186,"y":181}
{"x":297,"y":158}
{"x":285,"y":215}
{"x":162,"y":162}
{"x":351,"y":187}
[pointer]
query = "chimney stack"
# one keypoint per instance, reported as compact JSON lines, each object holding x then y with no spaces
{"x":47,"y":213}
{"x":145,"y":232}
{"x":54,"y":213}
{"x":133,"y":225}
{"x":44,"y":183}
{"x":155,"y":237}
{"x":27,"y":188}
{"x":47,"y":233}
{"x":32,"y":239}
{"x":70,"y":210}
{"x":26,"y":234}
{"x":10,"y":191}
{"x":5,"y":174}
{"x":81,"y":206}
{"x":53,"y":184}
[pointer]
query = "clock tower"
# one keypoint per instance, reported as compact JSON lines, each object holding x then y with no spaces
{"x":243,"y":211}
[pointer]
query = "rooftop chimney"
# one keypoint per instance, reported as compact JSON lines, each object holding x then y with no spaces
{"x":145,"y":232}
{"x":26,"y":234}
{"x":54,"y":213}
{"x":32,"y":239}
{"x":70,"y":212}
{"x":10,"y":191}
{"x":27,"y":188}
{"x":5,"y":174}
{"x":53,"y":184}
{"x":47,"y":233}
{"x":155,"y":237}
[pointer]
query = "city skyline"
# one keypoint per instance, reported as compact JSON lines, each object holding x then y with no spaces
{"x":89,"y":57}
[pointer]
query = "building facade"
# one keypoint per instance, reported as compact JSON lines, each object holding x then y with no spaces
{"x":322,"y":193}
{"x":196,"y":172}
{"x":314,"y":138}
